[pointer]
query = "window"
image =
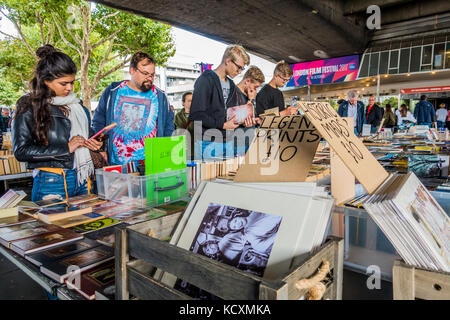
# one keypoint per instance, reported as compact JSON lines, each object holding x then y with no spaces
{"x":447,"y":56}
{"x":374,"y":62}
{"x":364,"y":69}
{"x":439,"y":56}
{"x":414,"y":64}
{"x":393,"y":61}
{"x":384,"y":60}
{"x":404,"y":60}
{"x":427,"y":52}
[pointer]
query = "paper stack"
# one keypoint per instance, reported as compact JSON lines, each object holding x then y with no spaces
{"x":413,"y":221}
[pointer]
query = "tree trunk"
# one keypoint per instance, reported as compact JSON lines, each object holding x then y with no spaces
{"x":86,"y":49}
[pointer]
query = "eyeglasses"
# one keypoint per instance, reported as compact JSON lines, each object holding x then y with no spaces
{"x":238,"y":66}
{"x":284,"y":80}
{"x":146,"y":74}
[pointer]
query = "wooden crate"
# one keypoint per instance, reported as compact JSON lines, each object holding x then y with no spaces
{"x":410,"y":283}
{"x":133,"y":277}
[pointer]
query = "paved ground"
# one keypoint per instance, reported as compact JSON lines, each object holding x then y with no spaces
{"x":16,"y":285}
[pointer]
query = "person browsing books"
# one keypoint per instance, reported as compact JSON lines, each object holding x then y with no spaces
{"x":214,"y":92}
{"x":424,"y":112}
{"x":353,"y":108}
{"x":373,"y":114}
{"x":271,"y":97}
{"x":441,"y":116}
{"x":405,"y":116}
{"x":51,"y":127}
{"x":246,"y":91}
{"x":182,"y":121}
{"x":139,"y":108}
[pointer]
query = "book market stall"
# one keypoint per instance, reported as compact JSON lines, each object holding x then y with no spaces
{"x":308,"y":199}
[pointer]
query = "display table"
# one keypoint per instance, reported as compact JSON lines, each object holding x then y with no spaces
{"x":55,"y":288}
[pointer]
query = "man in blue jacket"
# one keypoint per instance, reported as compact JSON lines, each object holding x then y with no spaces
{"x":140,"y":110}
{"x":424,"y":112}
{"x":353,"y":108}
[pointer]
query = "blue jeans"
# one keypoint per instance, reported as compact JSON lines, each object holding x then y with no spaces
{"x":424,"y":124}
{"x":441,"y":124}
{"x":209,"y":149}
{"x":47,"y":183}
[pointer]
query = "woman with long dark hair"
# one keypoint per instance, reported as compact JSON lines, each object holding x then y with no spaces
{"x":51,"y":128}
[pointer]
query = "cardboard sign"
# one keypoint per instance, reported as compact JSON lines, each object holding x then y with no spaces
{"x":345,"y":143}
{"x":282,"y":151}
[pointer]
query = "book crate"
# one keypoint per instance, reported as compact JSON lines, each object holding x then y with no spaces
{"x":134,"y":277}
{"x":410,"y":283}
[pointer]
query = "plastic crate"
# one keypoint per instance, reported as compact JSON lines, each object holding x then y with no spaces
{"x":142,"y":191}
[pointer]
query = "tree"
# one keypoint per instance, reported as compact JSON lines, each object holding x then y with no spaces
{"x":100,"y":40}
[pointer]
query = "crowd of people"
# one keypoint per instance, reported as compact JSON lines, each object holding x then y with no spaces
{"x":51,"y":127}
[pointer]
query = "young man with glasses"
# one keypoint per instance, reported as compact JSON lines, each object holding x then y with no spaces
{"x":140,"y":110}
{"x":270,"y":96}
{"x":214,"y":92}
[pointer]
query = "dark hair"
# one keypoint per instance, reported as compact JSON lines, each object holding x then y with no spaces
{"x":183,"y":98}
{"x":423,"y":97}
{"x":403,"y":110}
{"x":388,"y":108}
{"x":138,"y":57}
{"x":52,"y":65}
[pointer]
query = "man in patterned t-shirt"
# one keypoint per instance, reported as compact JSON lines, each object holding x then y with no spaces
{"x":140,"y":110}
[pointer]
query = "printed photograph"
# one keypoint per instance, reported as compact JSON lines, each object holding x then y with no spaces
{"x":241,"y":112}
{"x":63,"y":250}
{"x":237,"y":237}
{"x":47,"y":238}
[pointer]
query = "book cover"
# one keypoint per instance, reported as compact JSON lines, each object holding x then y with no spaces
{"x":30,"y":211}
{"x":165,"y":154}
{"x":173,"y":207}
{"x":105,"y":236}
{"x":115,"y":168}
{"x":94,"y":279}
{"x":80,"y":199}
{"x":241,"y":112}
{"x":110,"y":210}
{"x":77,"y":220}
{"x":59,"y":269}
{"x":95,"y":225}
{"x":59,"y":252}
{"x":104,"y":130}
{"x":44,"y":241}
{"x":128,"y":215}
{"x":13,"y":228}
{"x":7,"y":197}
{"x":7,"y":238}
{"x":52,"y":214}
{"x":50,"y":202}
{"x":17,"y":219}
{"x":89,"y":203}
{"x":9,"y":212}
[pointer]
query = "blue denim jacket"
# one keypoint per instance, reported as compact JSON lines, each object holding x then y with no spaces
{"x":424,"y":112}
{"x":343,"y":112}
{"x":104,"y":114}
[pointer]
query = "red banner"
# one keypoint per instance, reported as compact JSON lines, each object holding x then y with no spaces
{"x":426,"y":89}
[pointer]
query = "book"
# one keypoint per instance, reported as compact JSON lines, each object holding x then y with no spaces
{"x":241,"y":113}
{"x":30,"y":211}
{"x":105,"y":236}
{"x":49,"y":202}
{"x":104,"y":131}
{"x":163,"y":154}
{"x":77,"y":220}
{"x":9,"y":212}
{"x":107,"y":292}
{"x":128,"y":215}
{"x":80,"y":199}
{"x":11,"y":198}
{"x":25,"y":230}
{"x":61,"y":251}
{"x":115,"y":168}
{"x":173,"y":207}
{"x":59,"y":270}
{"x":413,"y":221}
{"x":95,"y":225}
{"x":52,"y":214}
{"x":44,"y":241}
{"x":94,"y":279}
{"x":111,"y":208}
{"x":89,"y":203}
{"x":16,"y":219}
{"x":6,"y":165}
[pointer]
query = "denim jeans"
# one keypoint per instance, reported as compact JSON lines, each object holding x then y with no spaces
{"x":441,"y":124}
{"x":424,"y":124}
{"x":46,"y":183}
{"x":209,"y":149}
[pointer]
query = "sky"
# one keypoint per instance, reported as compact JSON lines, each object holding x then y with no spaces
{"x":190,"y":48}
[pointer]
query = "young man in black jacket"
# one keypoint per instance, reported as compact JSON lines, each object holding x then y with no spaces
{"x":373,"y":114}
{"x":214,"y":92}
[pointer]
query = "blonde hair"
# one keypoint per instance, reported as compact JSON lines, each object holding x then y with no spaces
{"x":255,"y":74}
{"x":284,"y":69}
{"x":234,"y":51}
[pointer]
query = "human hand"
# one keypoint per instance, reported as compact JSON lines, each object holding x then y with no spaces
{"x":230,"y":125}
{"x":249,"y":122}
{"x":75,"y":143}
{"x":93,"y":144}
{"x":258,"y":120}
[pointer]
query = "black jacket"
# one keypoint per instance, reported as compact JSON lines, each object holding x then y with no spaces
{"x":208,"y":105}
{"x":26,"y":149}
{"x":374,"y":117}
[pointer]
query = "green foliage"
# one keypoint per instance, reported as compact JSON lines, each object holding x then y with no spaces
{"x":393,"y":101}
{"x":99,"y":39}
